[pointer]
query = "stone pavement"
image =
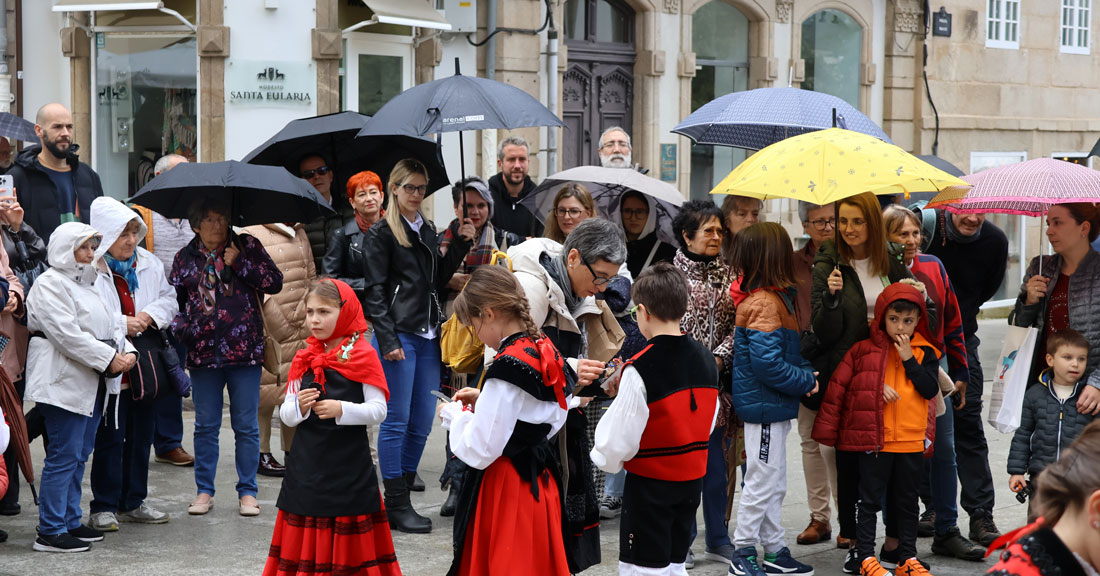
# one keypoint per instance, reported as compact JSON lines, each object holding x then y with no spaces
{"x":225,"y":544}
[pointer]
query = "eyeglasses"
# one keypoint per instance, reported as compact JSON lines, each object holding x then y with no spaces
{"x":634,"y":313}
{"x":570,"y":212}
{"x":823,"y":223}
{"x":318,"y":171}
{"x":639,"y":214}
{"x":617,"y":144}
{"x":421,"y":190}
{"x":716,"y":232}
{"x":596,"y":278}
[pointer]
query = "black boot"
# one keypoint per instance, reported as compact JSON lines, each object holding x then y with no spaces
{"x":413,"y":481}
{"x":399,"y":509}
{"x":451,"y":503}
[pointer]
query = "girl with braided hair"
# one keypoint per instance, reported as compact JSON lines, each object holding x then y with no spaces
{"x":502,"y":432}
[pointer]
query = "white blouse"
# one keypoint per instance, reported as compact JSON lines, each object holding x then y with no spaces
{"x":370,"y":412}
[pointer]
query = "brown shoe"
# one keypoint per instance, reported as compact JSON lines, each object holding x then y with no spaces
{"x":816,"y":532}
{"x":177,"y":457}
{"x":843,"y":543}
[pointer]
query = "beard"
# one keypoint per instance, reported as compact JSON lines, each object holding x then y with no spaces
{"x":615,"y":161}
{"x":515,"y":177}
{"x":56,"y":149}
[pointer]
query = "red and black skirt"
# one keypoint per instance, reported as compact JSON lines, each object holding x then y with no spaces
{"x":340,"y":546}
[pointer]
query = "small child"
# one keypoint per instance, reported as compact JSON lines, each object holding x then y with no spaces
{"x":657,"y":428}
{"x":331,"y":512}
{"x":509,"y":513}
{"x":889,"y":378}
{"x":769,"y":377}
{"x":1049,"y":421}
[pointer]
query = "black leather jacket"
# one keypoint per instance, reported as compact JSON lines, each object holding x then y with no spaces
{"x":343,"y":259}
{"x":403,"y":284}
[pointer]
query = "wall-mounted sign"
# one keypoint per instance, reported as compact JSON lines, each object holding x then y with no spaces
{"x":270,"y":83}
{"x":668,"y":162}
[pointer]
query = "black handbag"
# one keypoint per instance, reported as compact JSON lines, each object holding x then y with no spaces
{"x":157,"y":371}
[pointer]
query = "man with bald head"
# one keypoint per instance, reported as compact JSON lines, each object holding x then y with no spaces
{"x":52,"y":184}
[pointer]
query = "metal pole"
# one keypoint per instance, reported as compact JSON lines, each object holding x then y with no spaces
{"x":552,"y":98}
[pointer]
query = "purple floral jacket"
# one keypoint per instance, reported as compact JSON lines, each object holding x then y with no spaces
{"x":233,"y":334}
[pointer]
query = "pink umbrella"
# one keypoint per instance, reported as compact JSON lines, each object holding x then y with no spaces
{"x":1027,"y":188}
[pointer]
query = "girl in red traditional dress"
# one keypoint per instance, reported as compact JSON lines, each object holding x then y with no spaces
{"x":509,"y":514}
{"x":331,"y":519}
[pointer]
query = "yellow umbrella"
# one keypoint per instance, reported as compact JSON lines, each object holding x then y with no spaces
{"x":830,"y":165}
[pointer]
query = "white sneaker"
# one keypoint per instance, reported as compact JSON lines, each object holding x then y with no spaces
{"x":103,"y":521}
{"x":611,"y":507}
{"x":144,"y":514}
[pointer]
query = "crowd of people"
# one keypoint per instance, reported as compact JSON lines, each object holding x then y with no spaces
{"x":623,"y":376}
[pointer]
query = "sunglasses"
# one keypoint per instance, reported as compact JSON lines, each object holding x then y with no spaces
{"x":320,"y":171}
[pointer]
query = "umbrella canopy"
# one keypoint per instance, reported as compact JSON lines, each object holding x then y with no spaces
{"x":255,"y":194}
{"x":455,"y":104}
{"x":333,"y":137}
{"x":830,"y":165}
{"x":755,"y":119}
{"x":12,"y":126}
{"x":607,"y":186}
{"x":1027,"y":188}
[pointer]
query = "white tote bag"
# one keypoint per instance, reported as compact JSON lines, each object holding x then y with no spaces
{"x":1010,"y":381}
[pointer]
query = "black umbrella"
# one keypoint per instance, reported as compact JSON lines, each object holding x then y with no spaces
{"x":333,"y":137}
{"x":456,"y":104}
{"x":255,"y":194}
{"x":12,"y":126}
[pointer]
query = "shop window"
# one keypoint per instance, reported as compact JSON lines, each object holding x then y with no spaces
{"x":1002,"y":20}
{"x":832,"y":42}
{"x":606,"y":21}
{"x":1075,"y":26}
{"x":145,"y":106}
{"x":720,"y":40}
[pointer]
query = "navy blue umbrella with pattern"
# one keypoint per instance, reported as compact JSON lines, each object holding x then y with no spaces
{"x":12,"y":126}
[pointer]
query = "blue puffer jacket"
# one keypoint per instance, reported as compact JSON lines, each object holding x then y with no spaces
{"x":769,"y":374}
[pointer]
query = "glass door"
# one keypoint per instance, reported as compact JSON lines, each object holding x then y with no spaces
{"x":377,"y":67}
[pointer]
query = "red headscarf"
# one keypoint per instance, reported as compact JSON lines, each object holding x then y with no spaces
{"x":354,"y":358}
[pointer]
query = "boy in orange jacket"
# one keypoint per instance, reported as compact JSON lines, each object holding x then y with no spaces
{"x":878,"y":403}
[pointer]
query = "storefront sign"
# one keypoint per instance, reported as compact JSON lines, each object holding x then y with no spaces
{"x":668,"y":162}
{"x":270,"y":83}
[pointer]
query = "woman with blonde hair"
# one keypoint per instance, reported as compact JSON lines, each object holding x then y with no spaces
{"x":404,"y":273}
{"x":573,"y":204}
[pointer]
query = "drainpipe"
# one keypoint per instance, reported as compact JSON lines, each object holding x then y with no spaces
{"x":5,"y":78}
{"x":489,"y":137}
{"x":552,"y":96}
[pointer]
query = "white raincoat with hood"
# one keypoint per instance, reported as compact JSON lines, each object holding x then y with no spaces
{"x":154,"y":295}
{"x":63,"y":369}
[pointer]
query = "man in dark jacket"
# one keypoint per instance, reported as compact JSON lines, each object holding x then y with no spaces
{"x":319,"y":172}
{"x":52,"y":184}
{"x":975,"y":253}
{"x":510,"y":186}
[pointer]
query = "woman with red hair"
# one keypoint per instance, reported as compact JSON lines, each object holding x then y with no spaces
{"x":344,"y":258}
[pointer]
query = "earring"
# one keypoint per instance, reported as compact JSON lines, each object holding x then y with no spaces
{"x":1096,"y":524}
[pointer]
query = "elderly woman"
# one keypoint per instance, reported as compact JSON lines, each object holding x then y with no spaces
{"x":560,"y":282}
{"x":572,"y":205}
{"x":73,"y":363}
{"x":221,"y":277}
{"x":405,"y":272}
{"x":344,"y":259}
{"x":709,"y":319}
{"x":132,"y":282}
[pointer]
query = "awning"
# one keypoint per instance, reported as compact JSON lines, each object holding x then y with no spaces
{"x":407,"y":13}
{"x":90,"y":5}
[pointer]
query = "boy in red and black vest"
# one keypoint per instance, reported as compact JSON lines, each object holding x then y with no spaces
{"x":658,"y":427}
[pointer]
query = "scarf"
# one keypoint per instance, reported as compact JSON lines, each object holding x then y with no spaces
{"x":560,"y":275}
{"x":363,"y":226}
{"x":954,"y":235}
{"x":125,"y":268}
{"x":479,"y":254}
{"x":212,"y":276}
{"x":354,"y":358}
{"x":699,"y":257}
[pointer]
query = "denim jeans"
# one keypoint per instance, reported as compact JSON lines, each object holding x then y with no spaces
{"x":402,"y":436}
{"x":120,"y":463}
{"x":243,"y":383}
{"x":72,"y":437}
{"x":613,"y":484}
{"x":714,"y":494}
{"x":168,"y":423}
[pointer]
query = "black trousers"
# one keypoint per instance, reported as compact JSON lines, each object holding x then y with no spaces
{"x":847,"y":497}
{"x":655,"y":527}
{"x":900,"y":473}
{"x":971,"y":449}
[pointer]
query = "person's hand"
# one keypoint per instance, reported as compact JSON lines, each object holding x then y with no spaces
{"x":901,"y":342}
{"x":1089,"y":401}
{"x":468,"y":396}
{"x":1036,"y":289}
{"x":588,"y":371}
{"x":134,"y":326}
{"x":145,"y":317}
{"x":584,"y":400}
{"x":817,"y":385}
{"x":13,"y":303}
{"x":120,"y":363}
{"x":458,"y":281}
{"x":11,"y":212}
{"x":889,"y":395}
{"x":960,"y":394}
{"x":395,"y":355}
{"x":328,"y":409}
{"x":306,"y":399}
{"x":836,"y":281}
{"x":230,"y":255}
{"x":467,"y":230}
{"x":1016,"y":482}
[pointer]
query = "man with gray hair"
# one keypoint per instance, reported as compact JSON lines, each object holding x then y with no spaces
{"x":510,"y":186}
{"x":5,"y":155}
{"x":615,"y":148}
